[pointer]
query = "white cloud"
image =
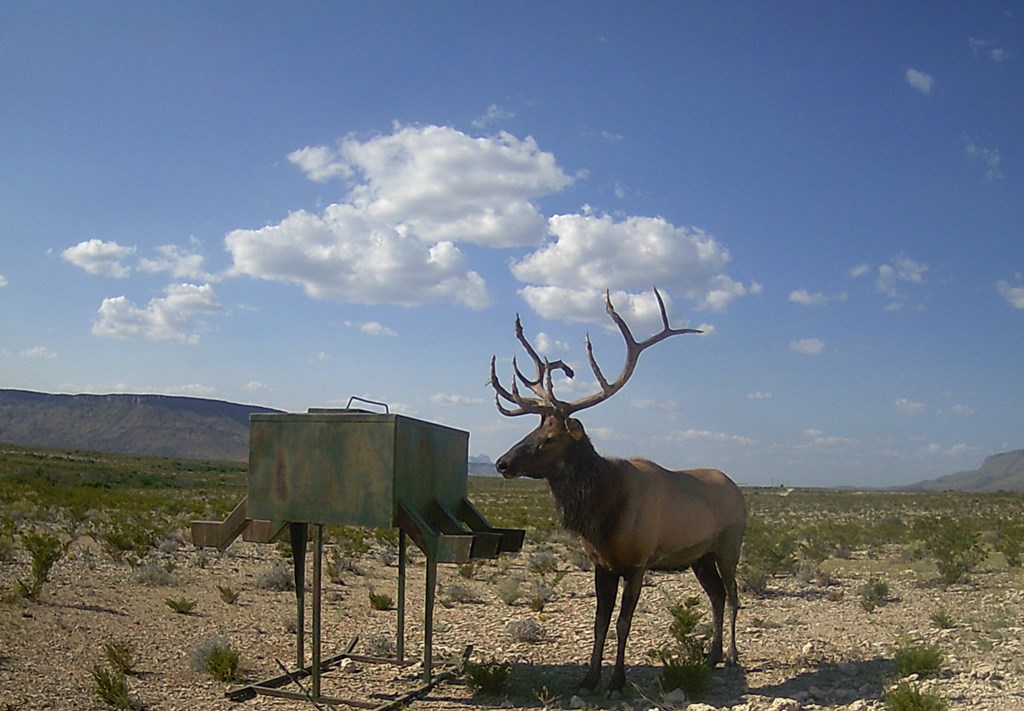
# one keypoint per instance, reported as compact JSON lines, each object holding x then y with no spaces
{"x":962,"y":410}
{"x":98,"y":257}
{"x":919,"y":81}
{"x":760,"y":396}
{"x":988,"y":156}
{"x":371,"y":328}
{"x":545,"y":344}
{"x":808,"y":346}
{"x":909,"y":407}
{"x":414,"y":194}
{"x":806,"y":298}
{"x":179,"y":263}
{"x":859,"y":270}
{"x":985,"y":48}
{"x":255,"y":386}
{"x":591,"y":253}
{"x":188,"y":390}
{"x":3,"y":281}
{"x":897,"y":272}
{"x":1014,"y":295}
{"x":818,"y":438}
{"x":715,"y":438}
{"x":450,"y":399}
{"x":38,"y":352}
{"x":342,"y":256}
{"x":494,"y":114}
{"x":168,"y":318}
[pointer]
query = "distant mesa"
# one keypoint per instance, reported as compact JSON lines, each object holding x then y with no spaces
{"x":999,"y":472}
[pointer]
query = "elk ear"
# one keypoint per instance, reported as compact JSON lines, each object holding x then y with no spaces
{"x":575,"y":429}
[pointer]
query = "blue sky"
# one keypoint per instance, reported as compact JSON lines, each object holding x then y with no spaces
{"x":288,"y":204}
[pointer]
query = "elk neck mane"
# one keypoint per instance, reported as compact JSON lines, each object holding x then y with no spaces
{"x":587,"y":491}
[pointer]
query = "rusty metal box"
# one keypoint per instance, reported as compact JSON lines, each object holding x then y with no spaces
{"x":350,"y":467}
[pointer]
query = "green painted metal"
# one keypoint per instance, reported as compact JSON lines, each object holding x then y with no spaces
{"x":351,"y":468}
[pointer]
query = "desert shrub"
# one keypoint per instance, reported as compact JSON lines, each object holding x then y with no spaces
{"x":908,"y":697}
{"x":129,"y":539}
{"x":541,"y":593}
{"x":182,"y":606}
{"x":917,"y":658}
{"x":542,"y":562}
{"x":488,"y":678}
{"x":380,"y":601}
{"x":874,"y":593}
{"x":954,"y":545}
{"x":683,"y":667}
{"x":216,"y":657}
{"x":153,"y":574}
{"x":526,"y":630}
{"x":111,"y":687}
{"x":686,"y":615}
{"x":942,"y":619}
{"x":228,"y":594}
{"x":120,"y":656}
{"x":470,"y":569}
{"x":1009,"y":540}
{"x":769,"y":549}
{"x":340,"y":562}
{"x":279,"y":579}
{"x":379,"y":645}
{"x":457,"y":593}
{"x":45,"y":550}
{"x":509,"y":590}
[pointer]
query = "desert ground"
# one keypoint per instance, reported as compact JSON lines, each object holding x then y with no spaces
{"x":810,"y":637}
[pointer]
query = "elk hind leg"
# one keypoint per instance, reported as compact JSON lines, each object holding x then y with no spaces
{"x":707,"y":574}
{"x":727,"y":568}
{"x":605,"y":586}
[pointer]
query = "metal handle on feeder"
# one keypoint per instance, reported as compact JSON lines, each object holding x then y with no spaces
{"x":387,"y":410}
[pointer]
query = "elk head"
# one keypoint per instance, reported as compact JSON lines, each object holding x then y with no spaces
{"x":545,"y":451}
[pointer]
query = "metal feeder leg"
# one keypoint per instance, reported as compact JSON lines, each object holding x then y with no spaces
{"x":428,"y":622}
{"x":298,"y":535}
{"x":318,"y":557}
{"x":403,"y":552}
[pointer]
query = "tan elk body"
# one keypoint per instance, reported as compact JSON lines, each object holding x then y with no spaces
{"x":631,"y":515}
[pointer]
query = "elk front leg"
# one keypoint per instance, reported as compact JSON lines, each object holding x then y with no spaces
{"x":630,"y":596}
{"x":605,"y":585}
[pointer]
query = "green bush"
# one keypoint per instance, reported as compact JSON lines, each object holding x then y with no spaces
{"x":217,"y":658}
{"x":686,"y":615}
{"x":908,"y":697}
{"x":488,"y":678}
{"x":129,"y":539}
{"x":182,"y":606}
{"x":228,"y":594}
{"x":45,"y":550}
{"x":684,"y":667}
{"x":915,"y":658}
{"x":112,"y":688}
{"x":874,"y":593}
{"x":509,"y":590}
{"x":380,"y":601}
{"x":120,"y":656}
{"x":1009,"y":540}
{"x":954,"y":545}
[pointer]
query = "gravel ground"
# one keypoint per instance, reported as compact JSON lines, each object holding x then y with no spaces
{"x":802,"y":646}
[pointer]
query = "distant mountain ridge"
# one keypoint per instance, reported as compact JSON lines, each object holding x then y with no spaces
{"x":999,"y":472}
{"x":147,"y":425}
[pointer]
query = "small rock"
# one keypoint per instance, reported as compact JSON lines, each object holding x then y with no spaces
{"x":577,"y":702}
{"x":700,"y":707}
{"x":784,"y":704}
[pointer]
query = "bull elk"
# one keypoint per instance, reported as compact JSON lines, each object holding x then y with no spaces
{"x":631,"y":515}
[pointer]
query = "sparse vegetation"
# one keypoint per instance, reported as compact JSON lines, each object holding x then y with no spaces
{"x":217,"y":658}
{"x":380,"y":601}
{"x":182,"y":605}
{"x":488,"y":678}
{"x":906,"y":696}
{"x":228,"y":595}
{"x":917,"y":658}
{"x":111,"y":687}
{"x":120,"y":656}
{"x":874,"y":593}
{"x":526,"y":630}
{"x":45,"y":550}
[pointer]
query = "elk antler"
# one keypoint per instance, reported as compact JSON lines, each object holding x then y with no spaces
{"x":541,"y":385}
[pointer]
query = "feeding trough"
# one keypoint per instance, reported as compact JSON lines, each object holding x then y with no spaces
{"x":352,"y":467}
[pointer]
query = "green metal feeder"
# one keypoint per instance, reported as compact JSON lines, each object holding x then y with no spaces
{"x":356,"y":468}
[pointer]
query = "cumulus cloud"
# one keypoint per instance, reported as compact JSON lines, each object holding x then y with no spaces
{"x":919,"y":81}
{"x":413,"y":195}
{"x":101,"y":258}
{"x":451,"y":399}
{"x":715,"y":438}
{"x":806,"y":298}
{"x":371,"y":328}
{"x":986,"y":48}
{"x":179,"y":263}
{"x":909,"y":407}
{"x":494,"y":114}
{"x":760,"y":396}
{"x":38,"y":352}
{"x":962,"y":410}
{"x":1014,"y":295}
{"x":989,"y":157}
{"x":808,"y":346}
{"x":168,"y":318}
{"x":3,"y":281}
{"x":590,"y":253}
{"x":859,"y":270}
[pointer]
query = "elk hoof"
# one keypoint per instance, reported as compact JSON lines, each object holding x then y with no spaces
{"x":617,"y":683}
{"x":591,"y":680}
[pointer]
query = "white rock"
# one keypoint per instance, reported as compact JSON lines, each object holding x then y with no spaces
{"x":700,"y":707}
{"x":576,"y":702}
{"x":675,"y":698}
{"x":785,"y":705}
